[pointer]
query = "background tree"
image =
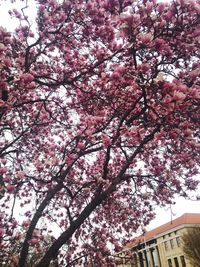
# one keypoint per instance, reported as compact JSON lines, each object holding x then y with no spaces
{"x":11,"y":257}
{"x":99,"y":122}
{"x":191,"y":245}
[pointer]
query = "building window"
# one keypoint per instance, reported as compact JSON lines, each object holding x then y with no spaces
{"x":172,"y":243}
{"x":166,"y":245}
{"x":178,"y":241}
{"x":183,"y":261}
{"x":176,"y":262}
{"x":169,"y":263}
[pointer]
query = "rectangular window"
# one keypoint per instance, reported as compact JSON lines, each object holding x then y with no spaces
{"x":176,"y":262}
{"x":169,"y":263}
{"x":183,"y":261}
{"x":172,"y":243}
{"x":166,"y":245}
{"x":178,"y":241}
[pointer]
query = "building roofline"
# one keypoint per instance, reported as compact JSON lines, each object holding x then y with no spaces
{"x":186,"y":219}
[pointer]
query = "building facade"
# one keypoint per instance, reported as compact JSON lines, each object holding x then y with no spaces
{"x":161,"y":247}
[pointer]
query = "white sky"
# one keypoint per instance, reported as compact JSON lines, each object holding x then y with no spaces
{"x":163,"y":214}
{"x":6,"y":20}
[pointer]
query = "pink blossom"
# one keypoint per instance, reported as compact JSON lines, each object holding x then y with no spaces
{"x":127,"y":18}
{"x":20,"y":175}
{"x":2,"y":47}
{"x":7,"y":179}
{"x":120,"y":69}
{"x":3,"y":170}
{"x":7,"y":62}
{"x":195,"y":93}
{"x":145,"y":67}
{"x":80,"y":145}
{"x":41,"y":8}
{"x":26,"y":223}
{"x":106,"y":140}
{"x":10,"y":188}
{"x":27,"y":77}
{"x":161,"y":7}
{"x":3,"y":85}
{"x":145,"y":39}
{"x":33,"y":241}
{"x":89,"y":132}
{"x":18,"y":235}
{"x":159,"y":44}
{"x":179,"y":96}
{"x":149,"y":7}
{"x":169,"y":15}
{"x":194,"y":73}
{"x":2,"y":103}
{"x":2,"y":232}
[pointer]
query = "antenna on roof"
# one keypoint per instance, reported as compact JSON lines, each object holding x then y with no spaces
{"x":171,"y":213}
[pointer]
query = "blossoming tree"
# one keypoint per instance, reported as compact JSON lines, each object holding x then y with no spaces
{"x":99,"y":115}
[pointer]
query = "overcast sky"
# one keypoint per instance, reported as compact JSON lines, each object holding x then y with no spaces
{"x":163,"y":215}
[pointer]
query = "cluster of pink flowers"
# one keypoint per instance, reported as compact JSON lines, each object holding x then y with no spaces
{"x":99,"y":115}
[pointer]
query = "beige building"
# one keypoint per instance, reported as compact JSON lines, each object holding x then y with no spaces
{"x":160,"y":247}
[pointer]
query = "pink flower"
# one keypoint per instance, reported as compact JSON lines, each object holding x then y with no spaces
{"x":42,"y":8}
{"x":149,"y":7}
{"x":106,"y":140}
{"x":120,"y":69}
{"x":80,"y":145}
{"x":194,"y":73}
{"x":3,"y":85}
{"x":145,"y":38}
{"x":33,"y":241}
{"x":3,"y":170}
{"x":2,"y":104}
{"x":179,"y":96}
{"x":127,"y":18}
{"x":89,"y":132}
{"x":115,"y":75}
{"x":18,"y":235}
{"x":2,"y":47}
{"x":25,"y":223}
{"x":7,"y":62}
{"x":2,"y":232}
{"x":20,"y":175}
{"x":27,"y":78}
{"x":7,"y":179}
{"x":194,"y":93}
{"x":117,"y":72}
{"x":145,"y":67}
{"x":161,"y":7}
{"x":159,"y":44}
{"x":10,"y":188}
